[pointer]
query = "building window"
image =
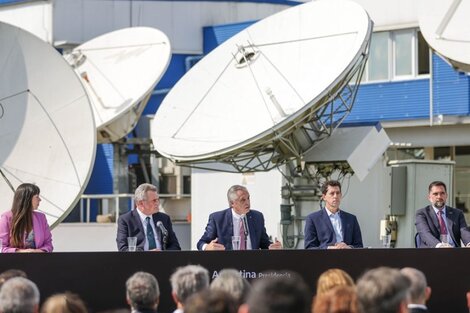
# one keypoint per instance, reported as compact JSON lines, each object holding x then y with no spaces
{"x":378,"y":57}
{"x":423,"y":55}
{"x":396,"y":55}
{"x":403,"y":53}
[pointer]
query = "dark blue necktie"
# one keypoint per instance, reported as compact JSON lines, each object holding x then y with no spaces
{"x":150,"y":235}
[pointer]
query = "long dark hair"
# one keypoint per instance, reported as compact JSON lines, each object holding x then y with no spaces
{"x":22,"y":211}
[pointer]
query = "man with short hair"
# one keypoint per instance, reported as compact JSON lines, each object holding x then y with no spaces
{"x":419,"y":290}
{"x":383,"y":290}
{"x":142,"y":293}
{"x":186,"y":281}
{"x":278,"y":294}
{"x":230,"y":281}
{"x":439,"y":225}
{"x":238,"y":220}
{"x":332,"y":228}
{"x":153,"y":229}
{"x":19,"y":294}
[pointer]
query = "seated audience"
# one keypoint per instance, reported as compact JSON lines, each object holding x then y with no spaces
{"x":23,"y":228}
{"x":142,"y":293}
{"x":419,"y":290}
{"x":210,"y":301}
{"x":8,"y":274}
{"x":230,"y":280}
{"x":19,"y":295}
{"x":278,"y":294}
{"x":340,"y":299}
{"x":383,"y":290}
{"x":332,"y":278}
{"x":64,"y":303}
{"x":186,"y":281}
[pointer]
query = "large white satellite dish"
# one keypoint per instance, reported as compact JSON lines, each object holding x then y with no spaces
{"x":271,"y":92}
{"x":119,"y":71}
{"x":47,"y":131}
{"x":446,"y":27}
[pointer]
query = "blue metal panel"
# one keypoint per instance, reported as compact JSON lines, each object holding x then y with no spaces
{"x":451,"y":89}
{"x":7,"y":2}
{"x":410,"y":99}
{"x":217,"y":34}
{"x":101,"y":180}
{"x":391,"y":101}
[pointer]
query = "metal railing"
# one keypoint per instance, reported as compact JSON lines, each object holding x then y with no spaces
{"x":114,"y":204}
{"x":85,"y":204}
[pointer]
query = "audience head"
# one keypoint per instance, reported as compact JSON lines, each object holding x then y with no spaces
{"x":19,"y":294}
{"x":419,"y":291}
{"x":8,"y":274}
{"x":188,"y":280}
{"x":210,"y":301}
{"x":278,"y":294}
{"x":64,"y":303}
{"x":383,"y":290}
{"x":142,"y":291}
{"x":332,"y":278}
{"x":340,"y":299}
{"x":230,"y":281}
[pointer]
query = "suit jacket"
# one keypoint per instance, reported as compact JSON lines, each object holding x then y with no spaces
{"x":319,"y":232}
{"x":427,"y":226}
{"x":42,"y":233}
{"x":220,"y":225}
{"x":129,"y":225}
{"x":418,"y":310}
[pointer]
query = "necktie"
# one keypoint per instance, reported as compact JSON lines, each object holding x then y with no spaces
{"x":150,"y":235}
{"x":442,"y":224}
{"x":242,"y":235}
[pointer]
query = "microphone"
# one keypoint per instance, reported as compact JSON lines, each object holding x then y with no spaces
{"x":164,"y":234}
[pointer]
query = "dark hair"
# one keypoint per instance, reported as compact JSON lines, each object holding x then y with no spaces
{"x":22,"y":213}
{"x":437,"y":183}
{"x":11,"y":273}
{"x":328,"y":183}
{"x":287,"y":293}
{"x":210,"y":301}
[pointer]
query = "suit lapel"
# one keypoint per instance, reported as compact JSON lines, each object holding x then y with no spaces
{"x":137,"y":220}
{"x":252,"y":230}
{"x":227,"y":231}
{"x":450,"y":220}
{"x":344,"y":226}
{"x":435,"y":222}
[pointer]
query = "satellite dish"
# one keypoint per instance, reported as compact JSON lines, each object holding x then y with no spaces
{"x":119,"y":71}
{"x":47,"y":131}
{"x":271,"y":92}
{"x":446,"y":28}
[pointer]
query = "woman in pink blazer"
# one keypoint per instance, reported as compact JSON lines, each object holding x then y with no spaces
{"x":23,"y":229}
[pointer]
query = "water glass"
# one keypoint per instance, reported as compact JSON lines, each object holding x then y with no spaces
{"x":236,"y":242}
{"x":132,"y":243}
{"x":386,"y":240}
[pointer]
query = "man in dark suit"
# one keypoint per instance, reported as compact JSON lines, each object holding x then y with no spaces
{"x":332,"y":228}
{"x":238,"y":220}
{"x":153,"y":229}
{"x":419,"y":290}
{"x":438,"y":219}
